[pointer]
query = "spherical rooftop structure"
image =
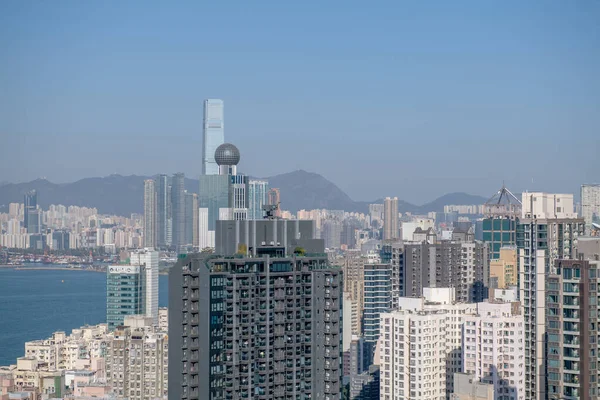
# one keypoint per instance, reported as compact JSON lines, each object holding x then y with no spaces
{"x":227,"y":154}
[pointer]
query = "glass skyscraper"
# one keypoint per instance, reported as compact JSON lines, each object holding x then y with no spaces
{"x":257,"y":198}
{"x":124,"y":293}
{"x":214,"y":135}
{"x":213,"y":195}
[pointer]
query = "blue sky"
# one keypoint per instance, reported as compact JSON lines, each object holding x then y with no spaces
{"x":413,"y":99}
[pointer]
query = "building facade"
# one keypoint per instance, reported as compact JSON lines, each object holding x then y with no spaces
{"x":390,"y":218}
{"x":377,"y":299}
{"x":257,"y":198}
{"x":150,"y":213}
{"x":214,"y":135}
{"x":147,"y":260}
{"x":493,"y":348}
{"x":124,"y":293}
{"x":137,"y":361}
{"x":547,"y":231}
{"x":590,"y":205}
{"x":262,"y":327}
{"x":178,"y":209}
{"x":572,"y":367}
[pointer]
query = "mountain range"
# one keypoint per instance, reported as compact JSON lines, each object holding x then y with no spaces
{"x":123,"y":195}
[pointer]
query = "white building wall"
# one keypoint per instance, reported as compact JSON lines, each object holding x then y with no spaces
{"x":148,"y":257}
{"x":493,"y":349}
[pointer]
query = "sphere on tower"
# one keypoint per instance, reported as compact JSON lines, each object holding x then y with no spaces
{"x":227,"y":154}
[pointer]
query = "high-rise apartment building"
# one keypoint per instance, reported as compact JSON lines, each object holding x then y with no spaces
{"x":147,"y":259}
{"x":547,"y":231}
{"x":590,"y":205}
{"x":572,"y":330}
{"x":421,"y":345}
{"x":150,"y":214}
{"x":266,"y":327}
{"x":137,"y":360}
{"x":124,"y":293}
{"x":178,"y":209}
{"x":163,"y":210}
{"x":377,"y":299}
{"x":257,"y":198}
{"x":390,"y":218}
{"x":331,"y":232}
{"x":191,"y":218}
{"x":274,"y":199}
{"x":503,"y":271}
{"x":493,"y":348}
{"x":214,"y":135}
{"x":463,"y":266}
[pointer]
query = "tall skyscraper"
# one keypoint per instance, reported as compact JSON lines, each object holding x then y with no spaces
{"x":32,"y":221}
{"x":213,"y":135}
{"x":377,"y":300}
{"x":124,"y":293}
{"x":163,"y":199}
{"x":274,"y":199}
{"x":178,"y":209}
{"x":390,"y":218}
{"x":223,"y":196}
{"x":547,"y":231}
{"x":150,"y":215}
{"x":257,"y":195}
{"x":265,"y":327}
{"x":147,"y":259}
{"x":590,"y":205}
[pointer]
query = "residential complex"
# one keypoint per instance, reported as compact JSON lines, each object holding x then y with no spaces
{"x":548,"y":231}
{"x":272,"y":324}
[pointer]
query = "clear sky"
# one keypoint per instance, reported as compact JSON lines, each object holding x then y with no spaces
{"x":405,"y":98}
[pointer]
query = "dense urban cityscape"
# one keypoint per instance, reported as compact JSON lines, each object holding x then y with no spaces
{"x":478,"y":302}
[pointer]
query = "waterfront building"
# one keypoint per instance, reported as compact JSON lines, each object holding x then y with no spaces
{"x":390,"y":218}
{"x":150,"y":215}
{"x":137,"y":360}
{"x":257,"y":198}
{"x":147,"y":259}
{"x":548,"y":230}
{"x":214,"y":135}
{"x":31,"y":215}
{"x":590,"y":205}
{"x":124,"y":293}
{"x":269,"y":325}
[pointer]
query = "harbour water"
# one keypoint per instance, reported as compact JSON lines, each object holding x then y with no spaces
{"x":36,"y":303}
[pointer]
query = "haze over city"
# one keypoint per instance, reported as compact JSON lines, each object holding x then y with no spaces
{"x":427,"y":100}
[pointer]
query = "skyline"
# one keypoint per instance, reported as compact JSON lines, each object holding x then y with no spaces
{"x":432,"y":101}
